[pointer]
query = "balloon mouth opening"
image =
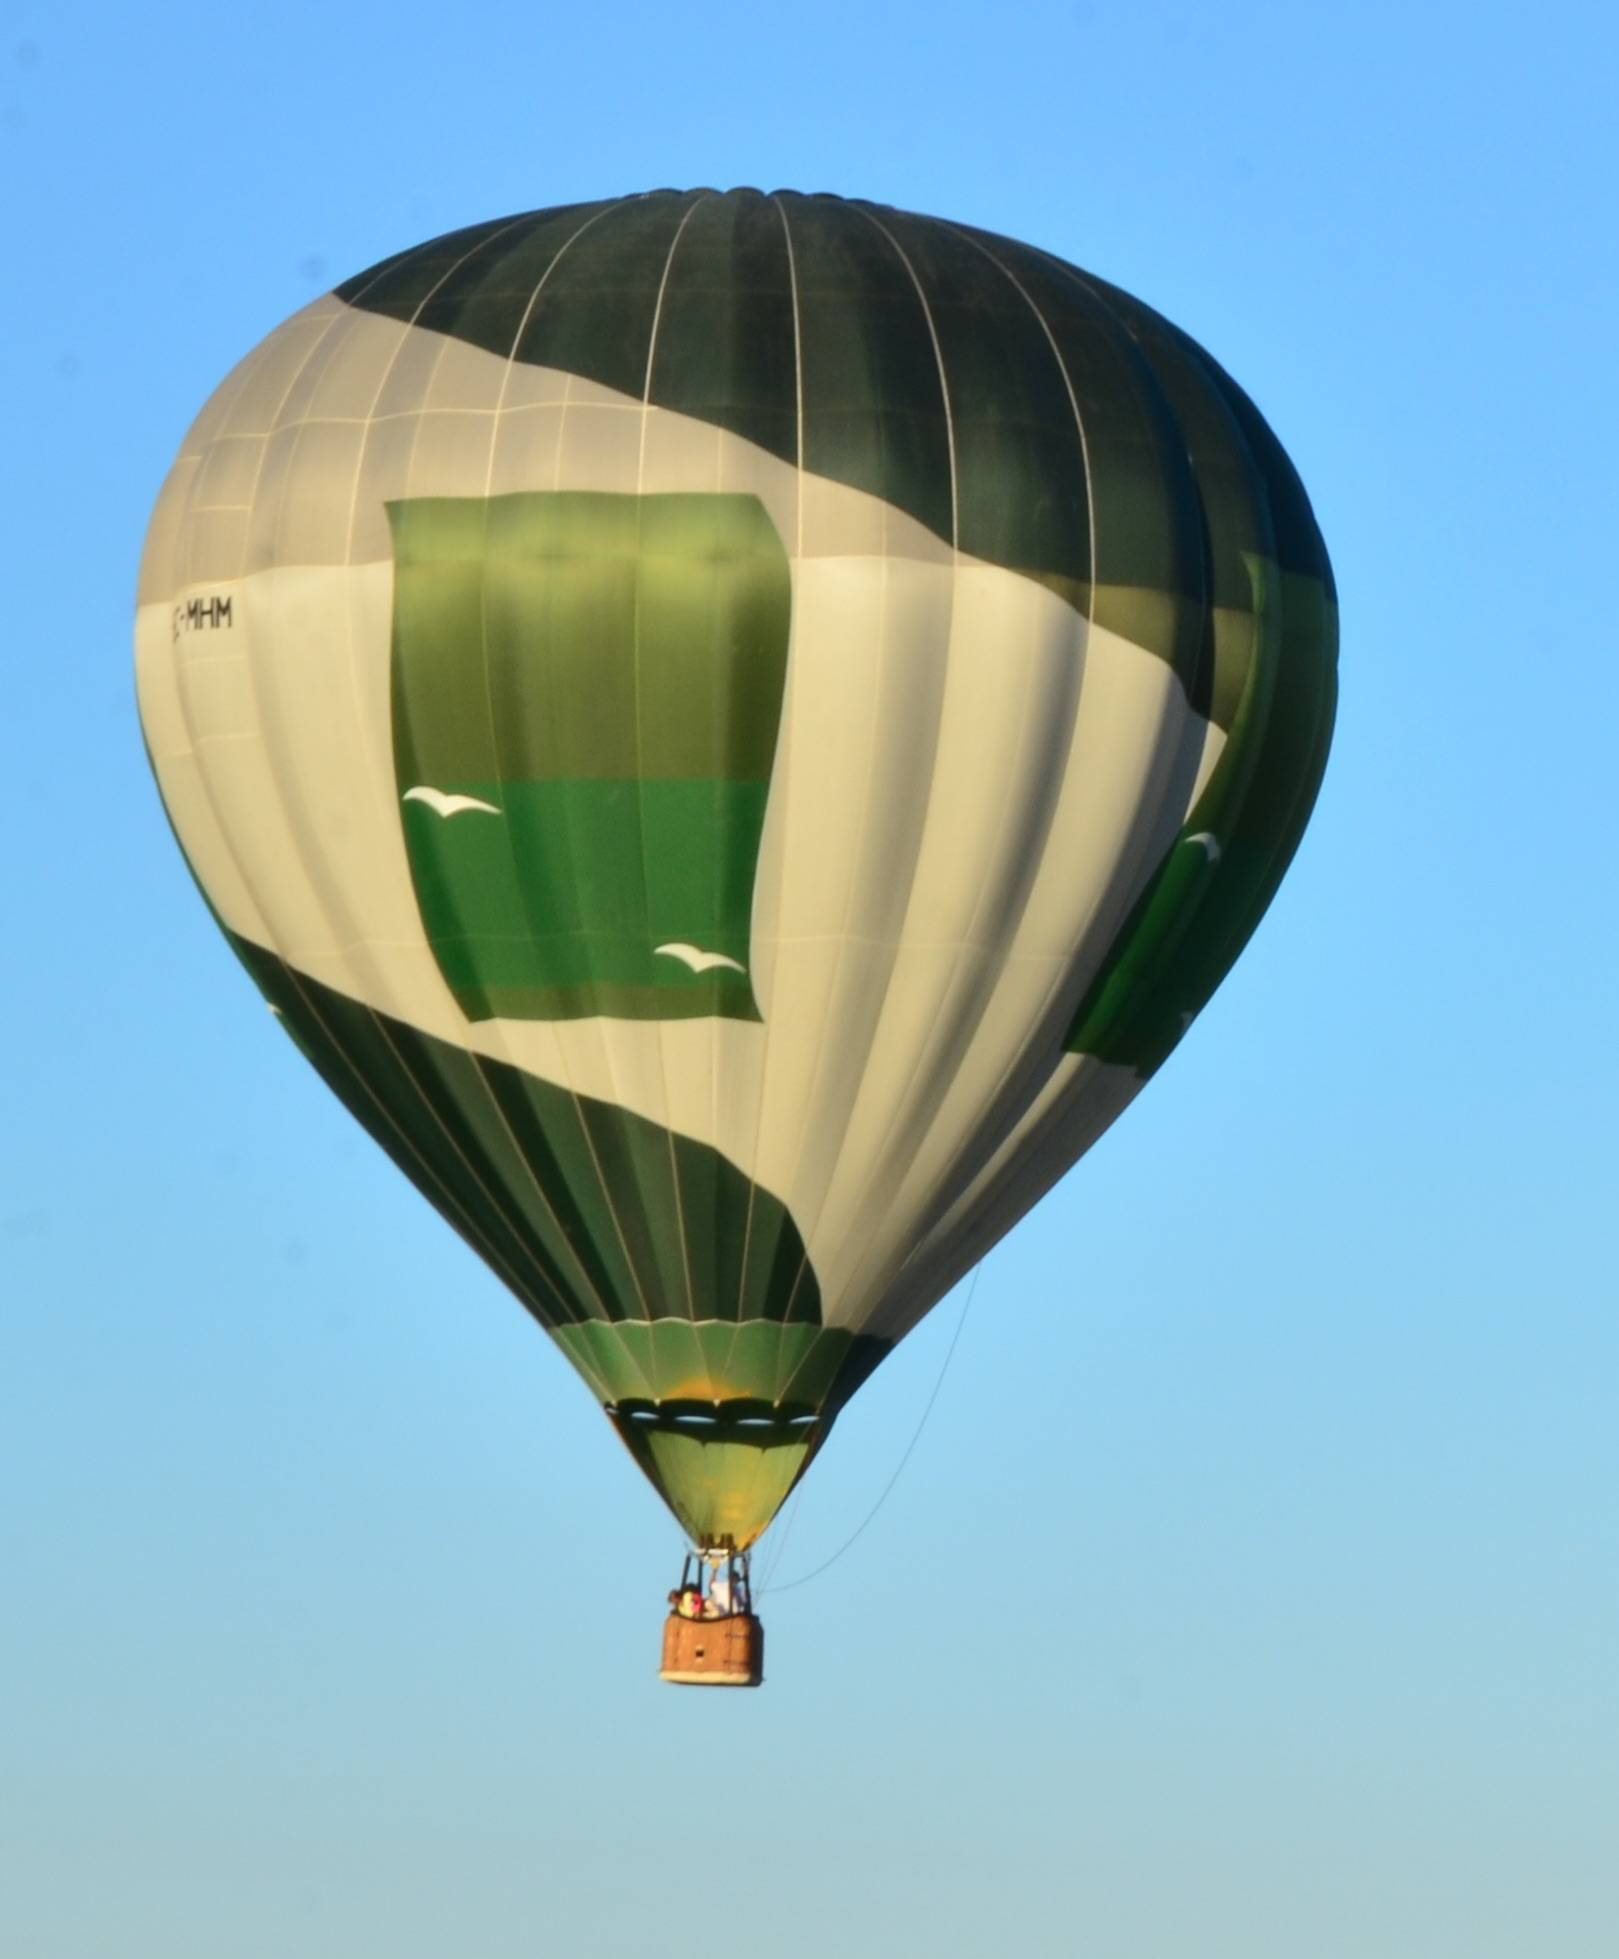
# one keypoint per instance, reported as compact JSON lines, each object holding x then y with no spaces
{"x":724,"y":1468}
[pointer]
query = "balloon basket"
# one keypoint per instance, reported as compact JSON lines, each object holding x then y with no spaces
{"x":713,"y":1652}
{"x":711,"y":1637}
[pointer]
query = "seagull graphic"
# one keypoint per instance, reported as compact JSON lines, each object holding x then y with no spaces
{"x":1210,"y":843}
{"x":698,"y":960}
{"x":442,"y":803}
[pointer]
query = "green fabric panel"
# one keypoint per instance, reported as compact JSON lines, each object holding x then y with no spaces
{"x":1199,"y":910}
{"x":674,"y":1360}
{"x":723,"y":1483}
{"x":714,"y":1362}
{"x":588,"y":1212}
{"x":605,"y":673}
{"x":557,"y":912}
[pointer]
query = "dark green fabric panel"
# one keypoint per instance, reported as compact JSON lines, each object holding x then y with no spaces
{"x":726,"y":347}
{"x":596,"y":315}
{"x":760,"y":294}
{"x":874,"y":405}
{"x":748,"y":1369}
{"x":485,"y":293}
{"x":1201,"y":908}
{"x":1272,"y":646}
{"x":723,"y":1481}
{"x":401,"y":285}
{"x":1282,"y":792}
{"x":1020,"y":464}
{"x":1297,"y":542}
{"x":602,"y":675}
{"x":1150,"y":573}
{"x":587,"y":1211}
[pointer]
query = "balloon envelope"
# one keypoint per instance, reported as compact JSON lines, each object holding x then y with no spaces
{"x":735,"y":732}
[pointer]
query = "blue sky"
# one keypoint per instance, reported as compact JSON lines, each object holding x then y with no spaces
{"x":1283,"y":1618}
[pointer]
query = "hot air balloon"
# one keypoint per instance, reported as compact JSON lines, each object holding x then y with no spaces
{"x":736,"y":732}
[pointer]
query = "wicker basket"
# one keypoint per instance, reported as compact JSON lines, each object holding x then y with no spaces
{"x":713,"y":1652}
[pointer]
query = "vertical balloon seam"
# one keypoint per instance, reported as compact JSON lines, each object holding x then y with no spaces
{"x":762,"y":1070}
{"x":779,"y":788}
{"x":1185,"y":586}
{"x":592,"y":1289}
{"x":611,"y":1061}
{"x":761,"y":1301}
{"x":496,"y":1028}
{"x":973,"y":239}
{"x":782,"y":1376}
{"x":494,"y":1025}
{"x":823,"y":1046}
{"x":1052,"y":341}
{"x":1188,"y":573}
{"x":660,"y":1028}
{"x":968,"y":1015}
{"x":611,"y":1320}
{"x":782,"y":1385}
{"x":876,"y":1020}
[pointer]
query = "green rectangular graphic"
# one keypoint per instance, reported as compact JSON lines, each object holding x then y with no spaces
{"x":587,"y":693}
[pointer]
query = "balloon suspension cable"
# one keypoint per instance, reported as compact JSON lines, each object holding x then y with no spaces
{"x":770,"y":1589}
